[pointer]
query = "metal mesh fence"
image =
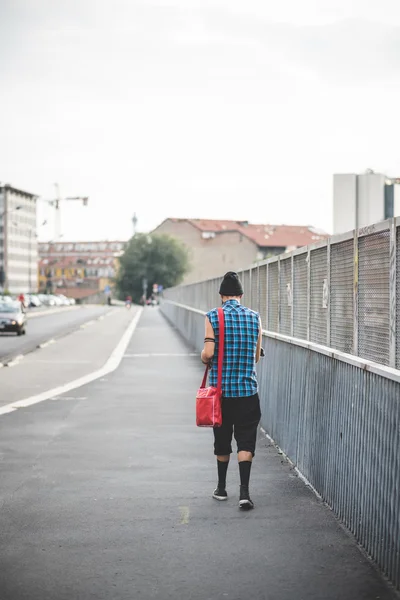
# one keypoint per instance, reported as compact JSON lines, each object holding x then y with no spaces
{"x":398,"y":301}
{"x":300,"y":294}
{"x":285,"y":283}
{"x":254,"y":289}
{"x":262,"y":286}
{"x":347,"y":300}
{"x":342,"y":296}
{"x":318,"y":296}
{"x":246,"y":287}
{"x":374,"y":296}
{"x":272,"y":297}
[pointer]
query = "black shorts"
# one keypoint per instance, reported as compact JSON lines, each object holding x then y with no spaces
{"x":240,"y":417}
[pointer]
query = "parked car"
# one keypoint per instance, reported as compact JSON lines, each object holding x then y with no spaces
{"x":57,"y":300}
{"x":64,"y":300}
{"x":12,"y":318}
{"x":6,"y":300}
{"x":34,"y":301}
{"x":47,"y":299}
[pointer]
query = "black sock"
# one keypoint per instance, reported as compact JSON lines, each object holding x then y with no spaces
{"x":244,"y":470}
{"x":222,"y":469}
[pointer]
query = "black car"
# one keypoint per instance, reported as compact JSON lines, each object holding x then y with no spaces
{"x":12,"y":318}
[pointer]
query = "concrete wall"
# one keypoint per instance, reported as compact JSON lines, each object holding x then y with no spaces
{"x":358,"y":201}
{"x":214,"y":256}
{"x":396,"y":207}
{"x":371,"y":199}
{"x":344,"y":202}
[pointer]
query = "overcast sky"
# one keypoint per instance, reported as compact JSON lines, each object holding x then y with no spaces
{"x":236,"y":109}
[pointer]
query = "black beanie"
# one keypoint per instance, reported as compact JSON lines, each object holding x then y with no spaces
{"x":231,"y":285}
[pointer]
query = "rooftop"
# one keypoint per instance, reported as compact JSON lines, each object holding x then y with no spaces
{"x":7,"y":186}
{"x":281,"y":236}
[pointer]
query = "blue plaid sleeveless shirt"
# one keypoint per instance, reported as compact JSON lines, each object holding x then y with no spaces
{"x":242,"y":325}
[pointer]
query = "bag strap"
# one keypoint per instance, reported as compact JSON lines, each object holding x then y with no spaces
{"x":221,"y":319}
{"x":203,"y":383}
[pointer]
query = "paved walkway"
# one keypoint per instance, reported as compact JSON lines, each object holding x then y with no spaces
{"x":106,"y":494}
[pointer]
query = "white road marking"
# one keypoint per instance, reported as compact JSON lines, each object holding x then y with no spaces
{"x":48,"y":343}
{"x":159,"y":354}
{"x":110,"y":366}
{"x":15,"y":361}
{"x":6,"y":409}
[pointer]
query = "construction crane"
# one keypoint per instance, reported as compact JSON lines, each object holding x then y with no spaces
{"x":56,"y":202}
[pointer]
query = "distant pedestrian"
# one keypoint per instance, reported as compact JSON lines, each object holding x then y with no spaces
{"x":240,"y":402}
{"x":21,"y":299}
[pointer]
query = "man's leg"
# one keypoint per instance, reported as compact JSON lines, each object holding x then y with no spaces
{"x":246,"y":427}
{"x":222,"y":450}
{"x":222,"y":467}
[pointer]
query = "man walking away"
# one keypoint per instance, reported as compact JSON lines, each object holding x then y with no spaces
{"x":240,"y":402}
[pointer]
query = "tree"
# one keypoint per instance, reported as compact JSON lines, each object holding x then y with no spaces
{"x":157,"y":259}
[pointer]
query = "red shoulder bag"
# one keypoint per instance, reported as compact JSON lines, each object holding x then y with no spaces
{"x":208,"y":399}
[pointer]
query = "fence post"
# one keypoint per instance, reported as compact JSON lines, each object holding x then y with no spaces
{"x":279,"y":294}
{"x":250,"y":292}
{"x":267,"y":294}
{"x":308,"y":294}
{"x":292,"y":295}
{"x":328,"y":273}
{"x":392,"y":292}
{"x":355,"y":294}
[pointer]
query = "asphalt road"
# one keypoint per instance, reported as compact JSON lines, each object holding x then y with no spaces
{"x":42,"y":328}
{"x":106,"y":494}
{"x":72,"y":356}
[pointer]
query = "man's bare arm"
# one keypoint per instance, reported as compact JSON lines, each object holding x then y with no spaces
{"x":209,"y":343}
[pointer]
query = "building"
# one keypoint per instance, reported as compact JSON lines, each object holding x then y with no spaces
{"x":18,"y":240}
{"x":218,"y":246}
{"x":79,"y":269}
{"x":363,"y":200}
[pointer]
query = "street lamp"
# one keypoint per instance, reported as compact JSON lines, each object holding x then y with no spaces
{"x":145,"y":282}
{"x":134,"y":222}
